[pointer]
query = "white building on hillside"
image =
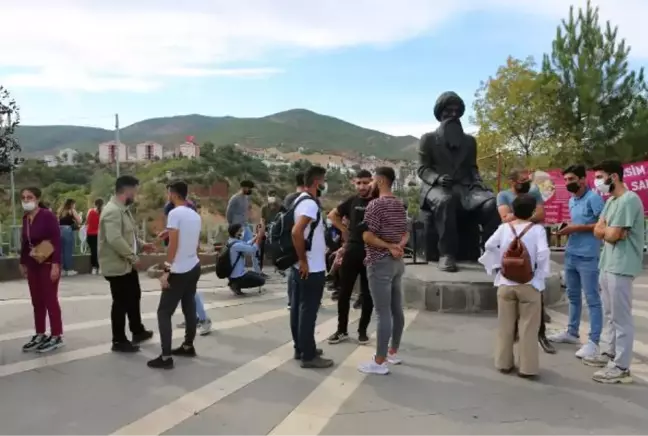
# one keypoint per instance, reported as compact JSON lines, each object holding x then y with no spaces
{"x":67,"y":156}
{"x":110,"y":152}
{"x":149,"y":151}
{"x":50,"y":160}
{"x":188,"y":149}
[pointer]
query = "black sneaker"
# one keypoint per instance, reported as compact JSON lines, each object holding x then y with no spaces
{"x":318,"y":352}
{"x":34,"y":342}
{"x":363,"y":339}
{"x":161,"y":363}
{"x":50,"y":344}
{"x":125,"y":347}
{"x":338,"y":337}
{"x":235,"y":290}
{"x":335,"y":295}
{"x":184,"y":351}
{"x":317,"y":363}
{"x":358,"y":304}
{"x":142,"y":336}
{"x":547,"y":318}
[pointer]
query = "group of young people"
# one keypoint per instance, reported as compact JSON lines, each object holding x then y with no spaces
{"x":604,"y":254}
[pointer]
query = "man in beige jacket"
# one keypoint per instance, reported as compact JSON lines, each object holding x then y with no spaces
{"x":118,"y":249}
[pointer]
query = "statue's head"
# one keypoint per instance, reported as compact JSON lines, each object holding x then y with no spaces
{"x":449,"y":109}
{"x":449,"y":106}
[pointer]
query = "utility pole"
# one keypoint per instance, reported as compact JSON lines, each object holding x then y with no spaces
{"x":12,"y":162}
{"x":117,"y":143}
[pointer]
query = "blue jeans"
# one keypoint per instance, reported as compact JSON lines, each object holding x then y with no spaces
{"x":67,"y":248}
{"x":200,"y":308}
{"x":582,"y":275}
{"x":304,"y":305}
{"x":247,"y":236}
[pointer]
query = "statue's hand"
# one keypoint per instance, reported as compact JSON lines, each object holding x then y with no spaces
{"x":445,"y":181}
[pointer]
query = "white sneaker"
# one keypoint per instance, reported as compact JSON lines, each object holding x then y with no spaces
{"x":95,"y":271}
{"x":205,"y":328}
{"x":564,"y":338}
{"x":588,"y":350}
{"x":71,"y":273}
{"x":394,"y":359}
{"x":372,"y":367}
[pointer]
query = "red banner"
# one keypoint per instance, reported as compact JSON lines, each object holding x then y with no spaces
{"x":556,"y":196}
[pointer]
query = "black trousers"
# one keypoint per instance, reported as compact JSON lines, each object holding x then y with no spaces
{"x":542,"y":332}
{"x":305,"y":302}
{"x":352,"y":266}
{"x":126,"y":295}
{"x":92,"y":244}
{"x":261,"y":253}
{"x":251,"y":279}
{"x":182,"y":289}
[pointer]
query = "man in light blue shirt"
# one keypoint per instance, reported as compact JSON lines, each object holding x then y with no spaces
{"x":581,"y":261}
{"x":240,"y":278}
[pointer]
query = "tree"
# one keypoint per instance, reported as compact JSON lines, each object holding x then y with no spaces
{"x":511,"y":109}
{"x":601,"y":103}
{"x":9,"y":120}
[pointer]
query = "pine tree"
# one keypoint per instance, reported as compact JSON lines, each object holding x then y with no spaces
{"x":601,"y":105}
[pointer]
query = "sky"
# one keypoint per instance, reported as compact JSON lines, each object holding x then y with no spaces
{"x":380,"y":64}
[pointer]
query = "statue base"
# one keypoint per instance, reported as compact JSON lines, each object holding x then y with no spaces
{"x":470,"y":290}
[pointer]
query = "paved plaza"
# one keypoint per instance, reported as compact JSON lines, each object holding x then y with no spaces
{"x":246,"y":382}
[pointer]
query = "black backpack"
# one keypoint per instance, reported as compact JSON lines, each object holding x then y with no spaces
{"x":279,"y":237}
{"x":224,"y":266}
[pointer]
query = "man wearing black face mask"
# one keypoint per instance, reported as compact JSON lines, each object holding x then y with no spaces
{"x":118,"y":250}
{"x":452,"y":185}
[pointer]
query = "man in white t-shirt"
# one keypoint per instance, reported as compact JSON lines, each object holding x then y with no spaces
{"x":310,"y":275}
{"x":180,"y":278}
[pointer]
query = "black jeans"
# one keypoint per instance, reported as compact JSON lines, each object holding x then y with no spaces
{"x":182,"y":289}
{"x":126,"y":295}
{"x":251,"y":279}
{"x":352,"y":265}
{"x":542,"y":332}
{"x":92,"y":244}
{"x":305,"y":303}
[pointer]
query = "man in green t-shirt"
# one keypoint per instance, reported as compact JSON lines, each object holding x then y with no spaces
{"x":621,"y":228}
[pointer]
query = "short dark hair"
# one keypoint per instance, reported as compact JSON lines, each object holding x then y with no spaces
{"x":610,"y":167}
{"x":523,"y":206}
{"x":515,"y":173}
{"x":313,"y":173}
{"x":233,"y":229}
{"x":179,"y":187}
{"x":578,"y":170}
{"x":124,"y":182}
{"x":363,"y":174}
{"x":388,"y":173}
{"x":299,"y":179}
{"x":247,"y":184}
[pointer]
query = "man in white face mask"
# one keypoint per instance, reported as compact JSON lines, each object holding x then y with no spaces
{"x":621,"y":228}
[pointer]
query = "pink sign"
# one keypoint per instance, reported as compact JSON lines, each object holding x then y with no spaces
{"x":556,"y":196}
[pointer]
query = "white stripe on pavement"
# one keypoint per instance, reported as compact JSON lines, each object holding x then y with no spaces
{"x":317,"y":409}
{"x":98,"y":350}
{"x":235,"y":301}
{"x":167,"y":417}
{"x":638,"y":368}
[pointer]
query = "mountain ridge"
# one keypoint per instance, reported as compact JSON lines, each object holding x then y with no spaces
{"x":287,"y":130}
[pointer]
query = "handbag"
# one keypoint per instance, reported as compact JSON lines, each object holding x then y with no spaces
{"x":41,"y":252}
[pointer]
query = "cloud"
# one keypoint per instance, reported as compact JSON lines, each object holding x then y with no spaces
{"x":140,"y":45}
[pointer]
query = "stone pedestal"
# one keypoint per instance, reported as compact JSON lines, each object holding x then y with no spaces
{"x":470,"y":290}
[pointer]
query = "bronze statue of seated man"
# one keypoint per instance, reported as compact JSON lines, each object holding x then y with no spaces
{"x":452,"y":186}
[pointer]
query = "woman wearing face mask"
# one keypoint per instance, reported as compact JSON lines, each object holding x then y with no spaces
{"x":69,"y":221}
{"x":40,"y":260}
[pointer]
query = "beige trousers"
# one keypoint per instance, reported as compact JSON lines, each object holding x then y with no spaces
{"x":518,"y":304}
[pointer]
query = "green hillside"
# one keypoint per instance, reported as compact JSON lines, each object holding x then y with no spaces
{"x":288,"y":130}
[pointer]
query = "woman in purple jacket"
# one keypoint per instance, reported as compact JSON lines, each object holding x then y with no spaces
{"x":40,"y":224}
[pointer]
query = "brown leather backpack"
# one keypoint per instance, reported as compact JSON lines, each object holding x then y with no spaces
{"x":516,"y":262}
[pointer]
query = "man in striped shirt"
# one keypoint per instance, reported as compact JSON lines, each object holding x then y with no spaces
{"x":385,"y":236}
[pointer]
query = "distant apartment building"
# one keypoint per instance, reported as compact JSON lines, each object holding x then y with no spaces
{"x":67,"y":156}
{"x":188,"y":149}
{"x":149,"y":151}
{"x":110,"y":152}
{"x":50,"y":160}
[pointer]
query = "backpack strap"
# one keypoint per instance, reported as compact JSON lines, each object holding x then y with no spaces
{"x":238,"y":257}
{"x":526,"y":229}
{"x":313,"y":225}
